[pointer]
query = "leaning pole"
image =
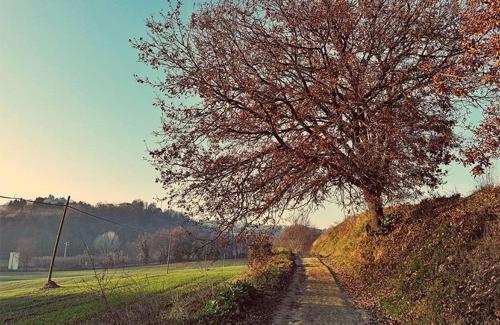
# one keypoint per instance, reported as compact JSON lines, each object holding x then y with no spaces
{"x":51,"y":284}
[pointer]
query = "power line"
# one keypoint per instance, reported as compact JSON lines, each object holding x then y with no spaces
{"x":75,"y":209}
{"x":137,"y":229}
{"x":107,"y":220}
{"x":187,"y":221}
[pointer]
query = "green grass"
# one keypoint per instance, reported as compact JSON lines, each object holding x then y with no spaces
{"x":23,"y":302}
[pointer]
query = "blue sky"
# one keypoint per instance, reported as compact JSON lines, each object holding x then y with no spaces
{"x":73,"y":119}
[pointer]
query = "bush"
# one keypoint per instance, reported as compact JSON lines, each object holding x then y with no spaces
{"x":259,"y":251}
{"x":281,"y":251}
{"x":259,"y":285}
{"x":273,"y":275}
{"x":230,"y":299}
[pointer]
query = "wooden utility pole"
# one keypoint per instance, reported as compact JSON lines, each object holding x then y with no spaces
{"x":65,"y":248}
{"x":51,"y":284}
{"x":168,"y":253}
{"x":205,"y":257}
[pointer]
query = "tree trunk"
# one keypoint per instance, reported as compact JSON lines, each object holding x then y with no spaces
{"x":375,"y":211}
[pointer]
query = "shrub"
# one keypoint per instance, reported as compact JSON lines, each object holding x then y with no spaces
{"x":230,"y":299}
{"x":272,"y":276}
{"x":281,"y":251}
{"x":259,"y":285}
{"x":259,"y":251}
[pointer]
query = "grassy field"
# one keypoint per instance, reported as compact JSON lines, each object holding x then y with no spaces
{"x":23,"y":302}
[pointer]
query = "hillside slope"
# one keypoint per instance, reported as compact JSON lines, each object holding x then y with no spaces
{"x":38,"y":224}
{"x":439,"y":263}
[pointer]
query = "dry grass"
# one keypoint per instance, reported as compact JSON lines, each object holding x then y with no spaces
{"x":439,"y":263}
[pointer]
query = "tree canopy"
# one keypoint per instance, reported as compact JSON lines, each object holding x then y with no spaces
{"x":284,"y":104}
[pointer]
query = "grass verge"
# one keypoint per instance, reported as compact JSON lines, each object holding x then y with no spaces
{"x":250,"y":299}
{"x":439,"y":262}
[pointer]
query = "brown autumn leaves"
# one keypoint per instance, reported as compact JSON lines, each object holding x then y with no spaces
{"x":272,"y":105}
{"x":481,"y":42}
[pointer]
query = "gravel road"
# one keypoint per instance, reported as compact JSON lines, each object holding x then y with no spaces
{"x":314,"y":297}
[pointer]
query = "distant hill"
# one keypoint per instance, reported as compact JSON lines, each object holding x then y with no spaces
{"x":439,"y":263}
{"x":37,"y":224}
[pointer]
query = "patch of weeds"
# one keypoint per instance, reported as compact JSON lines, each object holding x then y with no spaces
{"x":247,"y":300}
{"x":272,"y":276}
{"x":389,"y":221}
{"x":230,"y":300}
{"x":392,"y":307}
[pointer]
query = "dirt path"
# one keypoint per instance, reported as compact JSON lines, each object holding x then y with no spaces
{"x":315,"y":298}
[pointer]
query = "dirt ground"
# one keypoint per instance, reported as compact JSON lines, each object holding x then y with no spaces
{"x":314,"y":297}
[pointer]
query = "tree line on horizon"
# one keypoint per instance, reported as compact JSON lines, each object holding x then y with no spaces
{"x":168,"y":236}
{"x":138,"y":233}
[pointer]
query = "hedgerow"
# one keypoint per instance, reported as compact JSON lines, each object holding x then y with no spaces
{"x":243,"y":300}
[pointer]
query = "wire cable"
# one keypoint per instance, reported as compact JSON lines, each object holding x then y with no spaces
{"x":75,"y":209}
{"x":107,"y":220}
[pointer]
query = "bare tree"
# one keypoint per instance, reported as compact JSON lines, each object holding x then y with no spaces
{"x":259,"y":250}
{"x":144,"y":244}
{"x":291,"y":103}
{"x":108,"y":244}
{"x":298,"y":237}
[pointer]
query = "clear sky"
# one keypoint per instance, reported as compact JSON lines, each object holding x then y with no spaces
{"x":73,"y":119}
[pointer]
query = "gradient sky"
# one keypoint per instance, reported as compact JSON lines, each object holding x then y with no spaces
{"x":73,"y":119}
